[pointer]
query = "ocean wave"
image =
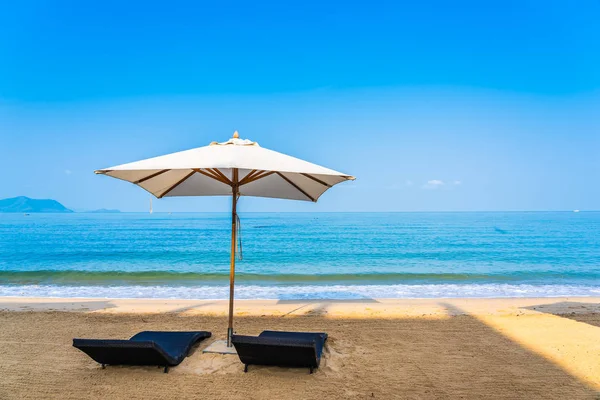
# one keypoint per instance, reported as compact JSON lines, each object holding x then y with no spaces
{"x":304,"y":292}
{"x":173,"y":278}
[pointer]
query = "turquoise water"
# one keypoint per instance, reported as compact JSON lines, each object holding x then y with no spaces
{"x":303,"y":255}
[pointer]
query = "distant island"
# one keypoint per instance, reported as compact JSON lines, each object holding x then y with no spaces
{"x":24,"y":204}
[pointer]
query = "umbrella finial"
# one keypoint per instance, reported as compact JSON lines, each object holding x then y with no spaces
{"x":236,"y":135}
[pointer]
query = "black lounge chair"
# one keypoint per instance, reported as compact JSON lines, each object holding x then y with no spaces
{"x":146,"y":348}
{"x":283,"y":349}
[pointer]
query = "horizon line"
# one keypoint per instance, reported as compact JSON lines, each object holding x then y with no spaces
{"x":308,"y":212}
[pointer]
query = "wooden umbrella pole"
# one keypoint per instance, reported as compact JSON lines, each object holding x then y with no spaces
{"x":234,"y":191}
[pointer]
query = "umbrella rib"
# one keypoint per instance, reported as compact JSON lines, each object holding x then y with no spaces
{"x":250,"y":174}
{"x":150,"y":176}
{"x":296,"y":186}
{"x":221,"y":174}
{"x":258,"y":176}
{"x":212,"y":176}
{"x":316,"y":180}
{"x":177,"y":184}
{"x":208,"y":172}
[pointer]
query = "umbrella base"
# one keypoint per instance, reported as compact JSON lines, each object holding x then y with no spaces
{"x":220,"y":347}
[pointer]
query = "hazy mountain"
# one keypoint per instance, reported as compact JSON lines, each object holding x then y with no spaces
{"x":103,"y":211}
{"x":24,"y":204}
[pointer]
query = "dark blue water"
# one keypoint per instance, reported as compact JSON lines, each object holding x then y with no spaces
{"x":303,"y":255}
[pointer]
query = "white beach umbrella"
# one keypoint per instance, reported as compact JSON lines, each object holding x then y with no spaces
{"x":234,"y":168}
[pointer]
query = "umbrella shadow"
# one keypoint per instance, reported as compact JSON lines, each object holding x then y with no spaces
{"x":320,"y":307}
{"x":185,"y":309}
{"x":574,"y":310}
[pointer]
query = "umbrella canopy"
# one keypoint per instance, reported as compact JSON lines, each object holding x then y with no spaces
{"x":210,"y":170}
{"x":237,"y":167}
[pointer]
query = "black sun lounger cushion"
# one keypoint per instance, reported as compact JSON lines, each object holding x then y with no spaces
{"x":284,"y":349}
{"x":145,"y":348}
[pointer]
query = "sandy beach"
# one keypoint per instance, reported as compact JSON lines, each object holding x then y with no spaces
{"x":437,"y":348}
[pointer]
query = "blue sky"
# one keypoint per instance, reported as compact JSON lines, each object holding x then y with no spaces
{"x":434,"y":106}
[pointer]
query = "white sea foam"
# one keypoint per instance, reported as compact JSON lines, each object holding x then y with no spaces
{"x":304,"y":292}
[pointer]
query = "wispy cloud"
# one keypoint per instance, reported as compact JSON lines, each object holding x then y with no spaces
{"x":437,"y":183}
{"x":408,"y":182}
{"x":68,"y":171}
{"x":433,"y":184}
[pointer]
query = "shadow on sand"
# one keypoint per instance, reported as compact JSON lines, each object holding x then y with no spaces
{"x":575,"y":310}
{"x":320,"y":307}
{"x":449,"y":357}
{"x":492,"y":363}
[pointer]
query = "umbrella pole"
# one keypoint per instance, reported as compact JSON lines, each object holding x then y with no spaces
{"x":233,"y":243}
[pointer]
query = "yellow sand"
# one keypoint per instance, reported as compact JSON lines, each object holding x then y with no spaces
{"x":428,"y":349}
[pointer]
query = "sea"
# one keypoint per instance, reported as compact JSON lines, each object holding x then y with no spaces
{"x":301,"y":255}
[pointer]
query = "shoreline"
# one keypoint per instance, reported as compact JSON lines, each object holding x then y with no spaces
{"x":383,"y":307}
{"x":304,"y":292}
{"x":300,"y":299}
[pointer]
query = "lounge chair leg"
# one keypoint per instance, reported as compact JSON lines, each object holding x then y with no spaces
{"x":245,"y":367}
{"x":166,"y":370}
{"x":311,"y":370}
{"x":103,"y":366}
